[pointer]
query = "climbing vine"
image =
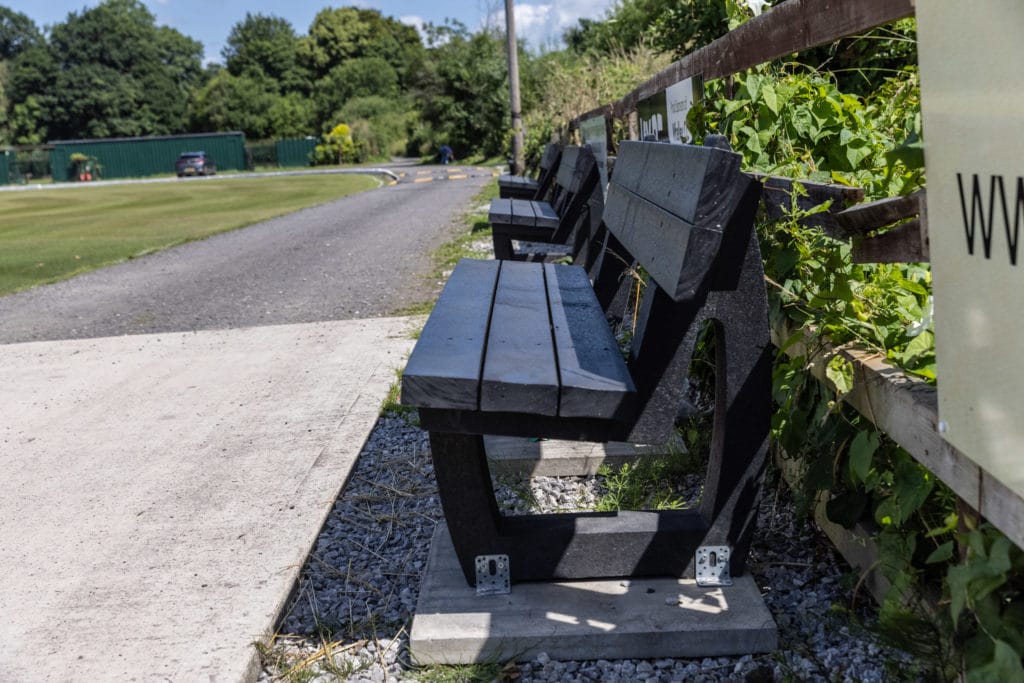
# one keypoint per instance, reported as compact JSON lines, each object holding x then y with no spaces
{"x":789,"y":120}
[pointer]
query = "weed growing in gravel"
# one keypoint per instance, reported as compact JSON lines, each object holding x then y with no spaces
{"x":302,"y":665}
{"x":651,"y":483}
{"x":392,"y":405}
{"x":468,"y":673}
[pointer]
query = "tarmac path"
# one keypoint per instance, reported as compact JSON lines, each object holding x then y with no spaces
{"x":363,"y":256}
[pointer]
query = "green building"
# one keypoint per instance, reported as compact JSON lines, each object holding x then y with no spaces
{"x":147,"y":156}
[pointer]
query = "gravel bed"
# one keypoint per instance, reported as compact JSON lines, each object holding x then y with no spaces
{"x":358,"y":591}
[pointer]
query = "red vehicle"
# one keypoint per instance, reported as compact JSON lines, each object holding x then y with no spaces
{"x":194,"y":163}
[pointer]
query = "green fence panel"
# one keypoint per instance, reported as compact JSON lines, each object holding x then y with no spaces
{"x":296,"y":152}
{"x":148,"y":156}
{"x":6,"y":161}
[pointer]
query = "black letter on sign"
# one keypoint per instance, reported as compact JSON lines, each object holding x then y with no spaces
{"x":1017,"y":215}
{"x":977,"y":211}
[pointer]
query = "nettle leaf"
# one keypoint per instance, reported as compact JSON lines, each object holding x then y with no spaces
{"x":919,"y":347}
{"x":753,"y":85}
{"x":840,"y":372}
{"x":855,"y":154}
{"x":910,"y":153}
{"x":862,"y":448}
{"x":753,"y":141}
{"x":943,"y":553}
{"x":732,"y":106}
{"x":911,"y":486}
{"x":957,"y":578}
{"x":913,"y":287}
{"x":1005,"y":665}
{"x":771,"y":99}
{"x":785,"y":260}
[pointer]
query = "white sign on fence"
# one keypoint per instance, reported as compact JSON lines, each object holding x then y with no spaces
{"x":679,"y":99}
{"x":594,"y":132}
{"x":662,"y":116}
{"x":972,"y":95}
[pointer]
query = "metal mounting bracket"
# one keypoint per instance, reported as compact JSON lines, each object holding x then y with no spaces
{"x":713,"y":566}
{"x":492,"y":575}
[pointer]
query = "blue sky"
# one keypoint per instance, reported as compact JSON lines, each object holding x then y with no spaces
{"x":540,"y":22}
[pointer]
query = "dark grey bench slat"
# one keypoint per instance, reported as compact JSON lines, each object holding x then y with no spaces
{"x":546,"y":215}
{"x":519,"y":372}
{"x":500,"y":211}
{"x":523,"y":213}
{"x":678,"y":240}
{"x":444,"y":369}
{"x":593,"y":375}
{"x":567,"y":166}
{"x":669,"y":248}
{"x":509,"y":179}
{"x":660,"y":175}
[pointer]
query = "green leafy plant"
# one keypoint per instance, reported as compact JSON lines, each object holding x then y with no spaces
{"x":787,"y":120}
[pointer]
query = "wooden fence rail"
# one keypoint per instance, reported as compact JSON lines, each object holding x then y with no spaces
{"x":903,"y":407}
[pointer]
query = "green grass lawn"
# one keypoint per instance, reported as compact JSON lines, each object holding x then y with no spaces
{"x":53,"y":234}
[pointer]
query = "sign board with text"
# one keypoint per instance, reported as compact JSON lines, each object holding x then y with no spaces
{"x":594,"y":132}
{"x":972,"y":98}
{"x":662,"y":117}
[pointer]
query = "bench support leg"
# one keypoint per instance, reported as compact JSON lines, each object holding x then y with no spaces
{"x":555,"y":546}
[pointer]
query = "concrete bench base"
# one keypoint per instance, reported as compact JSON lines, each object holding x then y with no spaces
{"x":579,"y":620}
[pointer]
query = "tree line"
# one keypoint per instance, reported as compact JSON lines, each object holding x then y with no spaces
{"x":111,"y":71}
{"x":369,"y":84}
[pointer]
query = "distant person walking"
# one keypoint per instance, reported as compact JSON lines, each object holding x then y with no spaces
{"x":447,"y":154}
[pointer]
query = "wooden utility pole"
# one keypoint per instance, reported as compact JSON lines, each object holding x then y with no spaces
{"x":513,"y":86}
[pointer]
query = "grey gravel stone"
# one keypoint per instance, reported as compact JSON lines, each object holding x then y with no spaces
{"x":361,"y":583}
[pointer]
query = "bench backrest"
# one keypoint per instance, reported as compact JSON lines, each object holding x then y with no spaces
{"x":674,"y":229}
{"x":580,"y":177}
{"x":548,"y":166}
{"x":549,"y":160}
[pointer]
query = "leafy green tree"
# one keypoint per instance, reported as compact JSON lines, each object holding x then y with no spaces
{"x":379,"y":125}
{"x":461,"y":92}
{"x":17,"y":33}
{"x":119,"y":74}
{"x":18,"y":36}
{"x":265,"y":45}
{"x":358,"y":77}
{"x":291,"y":116}
{"x":23,"y":122}
{"x":673,"y":26}
{"x":338,"y":35}
{"x":229,"y":102}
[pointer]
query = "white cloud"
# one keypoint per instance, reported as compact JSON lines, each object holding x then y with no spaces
{"x":414,"y":21}
{"x":542,"y":24}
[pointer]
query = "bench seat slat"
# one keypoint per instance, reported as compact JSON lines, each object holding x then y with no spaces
{"x":519,"y":367}
{"x":546,"y":215}
{"x":523,"y":213}
{"x":517,"y":187}
{"x":500,"y":211}
{"x":595,"y":381}
{"x":509,"y":179}
{"x":444,"y":369}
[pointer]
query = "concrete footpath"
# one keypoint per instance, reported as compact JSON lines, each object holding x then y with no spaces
{"x":161,"y":492}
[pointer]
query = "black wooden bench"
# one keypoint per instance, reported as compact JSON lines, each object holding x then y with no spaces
{"x":521,"y":187}
{"x":541,"y":221}
{"x":523,"y":349}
